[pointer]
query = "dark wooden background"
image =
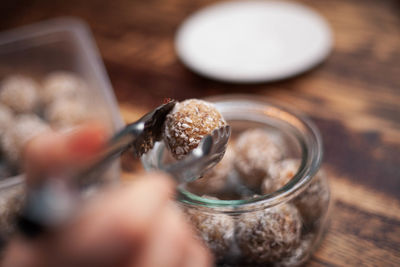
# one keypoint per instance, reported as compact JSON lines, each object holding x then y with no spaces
{"x":354,"y":98}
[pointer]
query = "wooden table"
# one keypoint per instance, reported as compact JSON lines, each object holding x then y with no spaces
{"x":353,"y":97}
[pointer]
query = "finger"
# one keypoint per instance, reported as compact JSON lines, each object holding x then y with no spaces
{"x":197,"y":255}
{"x":173,"y":244}
{"x":52,"y":152}
{"x":21,"y":254}
{"x":166,"y":244}
{"x":113,"y":227}
{"x":86,"y":141}
{"x":109,"y":232}
{"x":43,"y":154}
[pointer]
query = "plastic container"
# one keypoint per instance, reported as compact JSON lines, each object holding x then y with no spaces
{"x":254,"y":224}
{"x":64,"y":44}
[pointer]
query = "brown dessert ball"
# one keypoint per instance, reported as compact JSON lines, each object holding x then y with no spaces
{"x":300,"y":254}
{"x":216,"y":230}
{"x":215,"y":179}
{"x":64,"y":113}
{"x":283,"y":172}
{"x":10,"y":205}
{"x":256,"y":155}
{"x":19,"y":93}
{"x":6,"y":118}
{"x":313,"y":201}
{"x":23,"y":129}
{"x":268,"y":235}
{"x":61,"y":84}
{"x":188,"y":123}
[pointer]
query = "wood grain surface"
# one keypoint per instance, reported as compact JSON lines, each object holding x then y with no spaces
{"x":353,"y":97}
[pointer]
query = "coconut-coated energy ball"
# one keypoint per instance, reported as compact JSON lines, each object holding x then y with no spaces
{"x":188,"y":123}
{"x":313,"y":201}
{"x":216,"y":230}
{"x":299,"y":255}
{"x":256,"y":155}
{"x":215,"y":179}
{"x":64,"y":113}
{"x":10,"y":205}
{"x":61,"y":84}
{"x":20,"y":93}
{"x":268,"y":235}
{"x":23,"y":129}
{"x":284,"y":171}
{"x":6,"y":118}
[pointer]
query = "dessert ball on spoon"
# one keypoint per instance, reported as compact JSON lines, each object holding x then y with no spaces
{"x":188,"y":123}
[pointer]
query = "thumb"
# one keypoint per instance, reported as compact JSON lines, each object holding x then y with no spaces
{"x":115,"y":226}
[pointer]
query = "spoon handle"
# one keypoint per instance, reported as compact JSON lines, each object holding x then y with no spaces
{"x":55,"y":199}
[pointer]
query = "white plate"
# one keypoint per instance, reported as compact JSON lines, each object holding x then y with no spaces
{"x":253,"y":41}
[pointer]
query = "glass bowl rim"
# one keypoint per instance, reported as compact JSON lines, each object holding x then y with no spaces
{"x":312,"y":154}
{"x":297,"y":184}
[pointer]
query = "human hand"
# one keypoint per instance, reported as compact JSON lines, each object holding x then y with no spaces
{"x":134,"y":225}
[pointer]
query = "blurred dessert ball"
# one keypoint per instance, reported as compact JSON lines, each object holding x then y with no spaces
{"x":19,"y":93}
{"x":11,"y":202}
{"x":256,"y":155}
{"x":64,"y":113}
{"x":300,"y":254}
{"x":61,"y":84}
{"x":312,"y":202}
{"x":268,"y":235}
{"x":216,"y":230}
{"x":24,"y":128}
{"x":28,"y":108}
{"x":6,"y":118}
{"x":285,"y":170}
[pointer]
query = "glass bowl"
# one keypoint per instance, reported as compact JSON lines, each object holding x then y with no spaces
{"x":63,"y":44}
{"x":277,"y":220}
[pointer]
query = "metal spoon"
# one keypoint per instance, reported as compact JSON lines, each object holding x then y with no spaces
{"x":55,"y":200}
{"x":209,"y":152}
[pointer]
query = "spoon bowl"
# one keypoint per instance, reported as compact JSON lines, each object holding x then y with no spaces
{"x":209,"y":152}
